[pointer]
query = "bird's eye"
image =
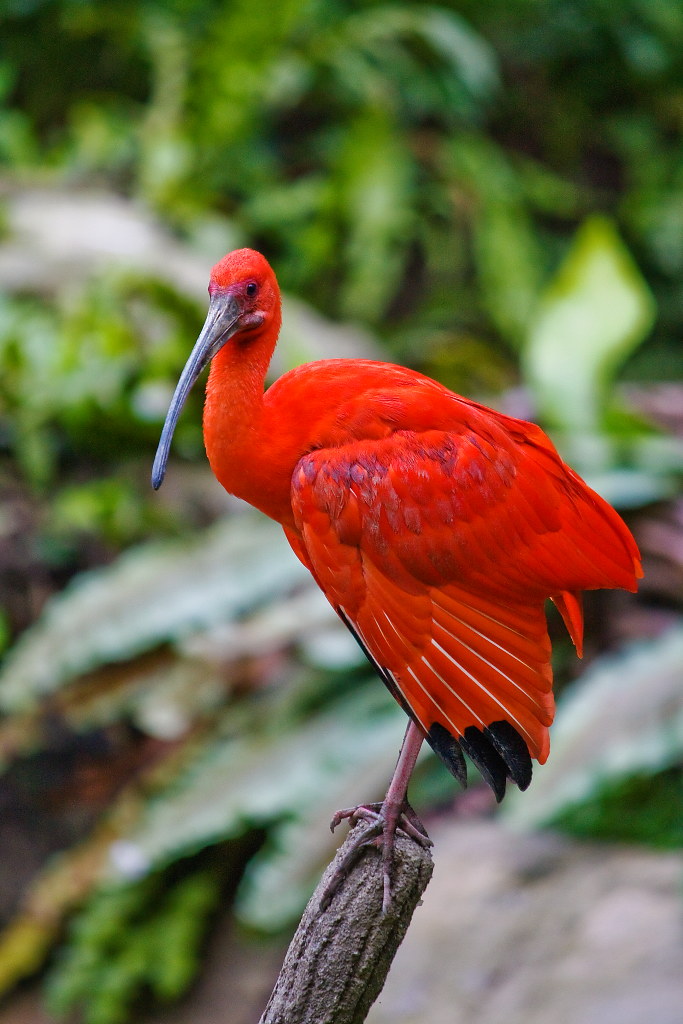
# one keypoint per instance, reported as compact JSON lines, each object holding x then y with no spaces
{"x":251,"y":289}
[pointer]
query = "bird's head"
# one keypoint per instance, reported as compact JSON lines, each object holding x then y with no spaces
{"x":243,"y":296}
{"x":244,"y":305}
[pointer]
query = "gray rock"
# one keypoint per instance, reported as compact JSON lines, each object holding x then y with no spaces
{"x":531,"y":929}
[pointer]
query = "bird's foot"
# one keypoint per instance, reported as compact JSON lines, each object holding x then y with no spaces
{"x":403,"y":818}
{"x":382,"y":820}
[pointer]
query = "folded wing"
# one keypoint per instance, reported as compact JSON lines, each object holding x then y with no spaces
{"x":438,"y":549}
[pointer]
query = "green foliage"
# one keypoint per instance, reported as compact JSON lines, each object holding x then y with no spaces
{"x":284,"y":773}
{"x":234,"y":102}
{"x":4,"y":632}
{"x":159,"y":594}
{"x":622,"y":726}
{"x":228,"y":760}
{"x":594,"y":312}
{"x":354,"y":135}
{"x":635,"y":809}
{"x":76,"y":375}
{"x":495,"y":189}
{"x":144,"y":937}
{"x":505,"y":249}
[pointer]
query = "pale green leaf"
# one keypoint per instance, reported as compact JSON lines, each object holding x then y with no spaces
{"x":292,"y":781}
{"x":351,"y":763}
{"x":506,"y":250}
{"x":153,"y":595}
{"x":375,"y":186}
{"x":593,"y":314}
{"x":469,"y":54}
{"x":623,"y":719}
{"x":386,"y":32}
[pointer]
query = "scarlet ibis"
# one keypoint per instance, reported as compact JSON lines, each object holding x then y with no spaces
{"x":436,"y":528}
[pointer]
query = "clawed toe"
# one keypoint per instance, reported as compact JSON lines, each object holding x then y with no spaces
{"x":362,"y":812}
{"x":382,"y":823}
{"x":409,"y":823}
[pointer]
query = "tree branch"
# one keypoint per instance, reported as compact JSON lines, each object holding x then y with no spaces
{"x":338,"y":960}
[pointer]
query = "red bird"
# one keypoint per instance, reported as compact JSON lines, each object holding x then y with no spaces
{"x":435,"y":527}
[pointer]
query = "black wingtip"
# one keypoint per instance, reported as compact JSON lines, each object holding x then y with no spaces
{"x":514,"y":751}
{"x":498,"y":751}
{"x":491,"y":765}
{"x":444,"y":744}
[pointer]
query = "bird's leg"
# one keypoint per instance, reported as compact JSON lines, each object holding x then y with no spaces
{"x":385,"y":818}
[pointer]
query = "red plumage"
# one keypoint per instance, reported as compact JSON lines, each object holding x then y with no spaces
{"x":436,"y":527}
{"x":440,"y":542}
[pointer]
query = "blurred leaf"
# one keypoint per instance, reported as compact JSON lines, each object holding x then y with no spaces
{"x":506,"y":250}
{"x":374,"y":193}
{"x":24,"y":946}
{"x":509,"y":266}
{"x":111,"y":508}
{"x":638,"y":809}
{"x":290,"y":776}
{"x":469,"y":55}
{"x":158,"y":594}
{"x":4,"y":631}
{"x":386,"y":43}
{"x":592,"y":315}
{"x":350,"y":752}
{"x":162,"y":695}
{"x":165,"y":154}
{"x":623,"y":720}
{"x":132,"y":938}
{"x":256,"y":765}
{"x":176,"y":935}
{"x":60,"y":886}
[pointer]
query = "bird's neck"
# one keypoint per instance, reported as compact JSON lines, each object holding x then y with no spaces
{"x":235,"y":434}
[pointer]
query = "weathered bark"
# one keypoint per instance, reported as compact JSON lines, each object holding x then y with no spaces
{"x":338,"y":960}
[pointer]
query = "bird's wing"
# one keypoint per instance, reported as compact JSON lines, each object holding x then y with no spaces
{"x":438,"y":549}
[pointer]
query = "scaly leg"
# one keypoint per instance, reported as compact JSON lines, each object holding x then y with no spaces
{"x":384,"y":819}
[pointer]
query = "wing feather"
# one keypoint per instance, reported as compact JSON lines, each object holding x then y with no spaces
{"x":439,"y":549}
{"x":460,"y":674}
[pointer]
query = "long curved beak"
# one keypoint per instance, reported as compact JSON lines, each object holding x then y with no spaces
{"x":222,"y":321}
